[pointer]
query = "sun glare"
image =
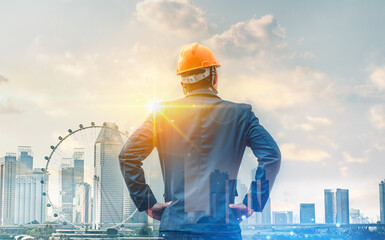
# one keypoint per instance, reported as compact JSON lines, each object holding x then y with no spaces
{"x":153,"y":106}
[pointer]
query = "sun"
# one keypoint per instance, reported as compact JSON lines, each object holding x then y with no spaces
{"x":153,"y":106}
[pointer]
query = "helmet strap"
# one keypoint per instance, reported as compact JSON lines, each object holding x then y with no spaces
{"x":212,"y":72}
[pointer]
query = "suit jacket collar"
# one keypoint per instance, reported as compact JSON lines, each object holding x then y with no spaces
{"x":203,"y":91}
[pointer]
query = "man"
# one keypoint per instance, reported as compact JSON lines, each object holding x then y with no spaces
{"x":200,"y":140}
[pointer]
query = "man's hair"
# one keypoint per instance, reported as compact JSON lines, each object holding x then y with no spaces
{"x":204,"y":83}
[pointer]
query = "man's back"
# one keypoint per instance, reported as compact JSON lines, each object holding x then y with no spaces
{"x":200,"y":140}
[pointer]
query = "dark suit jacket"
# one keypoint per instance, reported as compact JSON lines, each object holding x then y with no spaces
{"x":200,"y":140}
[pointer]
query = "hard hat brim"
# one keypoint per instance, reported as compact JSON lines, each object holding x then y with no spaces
{"x":191,"y":69}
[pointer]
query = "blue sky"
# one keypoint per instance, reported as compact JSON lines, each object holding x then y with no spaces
{"x":314,"y":72}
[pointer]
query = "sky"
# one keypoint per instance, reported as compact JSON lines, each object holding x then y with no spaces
{"x":314,"y":72}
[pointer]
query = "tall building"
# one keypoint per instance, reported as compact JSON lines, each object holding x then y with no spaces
{"x":7,"y":188}
{"x":30,"y":204}
{"x":336,"y":206}
{"x":128,"y":207}
{"x":109,"y":184}
{"x":342,"y":202}
{"x":82,"y":204}
{"x":218,"y":195}
{"x":307,"y":213}
{"x":78,"y":158}
{"x":382,"y":201}
{"x":25,"y":156}
{"x":283,"y":217}
{"x":330,"y":206}
{"x":67,"y":172}
{"x":154,"y":179}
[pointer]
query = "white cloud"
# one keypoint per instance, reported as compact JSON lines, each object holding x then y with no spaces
{"x":256,"y":36}
{"x":3,"y":79}
{"x":300,"y":40}
{"x":377,"y":77}
{"x":308,"y":55}
{"x":175,"y":16}
{"x":377,"y":116}
{"x":8,"y":107}
{"x":295,"y":152}
{"x":312,"y":124}
{"x":344,"y":171}
{"x":325,"y":140}
{"x":350,"y":159}
{"x":274,"y":90}
{"x":319,"y":121}
{"x":374,"y":86}
{"x":102,"y":79}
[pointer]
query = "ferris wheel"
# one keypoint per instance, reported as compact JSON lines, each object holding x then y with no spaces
{"x":83,"y":183}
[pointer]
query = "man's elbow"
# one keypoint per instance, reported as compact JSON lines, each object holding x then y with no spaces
{"x":275,"y":159}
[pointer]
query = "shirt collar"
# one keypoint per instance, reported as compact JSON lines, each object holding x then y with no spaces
{"x":203,"y":91}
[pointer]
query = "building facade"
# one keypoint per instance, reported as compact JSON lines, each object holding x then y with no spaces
{"x":30,"y":204}
{"x":25,"y":156}
{"x":109,"y":184}
{"x":7,"y":188}
{"x":336,"y":206}
{"x":307,"y":213}
{"x":78,"y":158}
{"x":67,"y":173}
{"x":82,"y":204}
{"x":382,"y":201}
{"x":282,"y":217}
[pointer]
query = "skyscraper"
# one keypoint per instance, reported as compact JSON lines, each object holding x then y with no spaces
{"x":154,"y":179}
{"x":330,"y":206}
{"x":25,"y":156}
{"x":78,"y":158}
{"x":7,"y":188}
{"x":67,"y":188}
{"x":307,"y":213}
{"x":108,"y":180}
{"x":30,"y":204}
{"x":128,"y":207}
{"x":218,"y":195}
{"x":336,"y":206}
{"x":382,"y":201}
{"x":82,"y":203}
{"x":342,"y":201}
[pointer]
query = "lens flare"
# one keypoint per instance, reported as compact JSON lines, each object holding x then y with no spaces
{"x":153,"y":106}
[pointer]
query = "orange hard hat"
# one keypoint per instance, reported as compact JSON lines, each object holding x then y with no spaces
{"x":194,"y":56}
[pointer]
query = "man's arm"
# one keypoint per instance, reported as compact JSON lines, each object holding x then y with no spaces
{"x":139,"y":145}
{"x":269,"y":160}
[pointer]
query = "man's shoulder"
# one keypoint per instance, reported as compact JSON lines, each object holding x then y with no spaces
{"x":244,"y":106}
{"x":186,"y":101}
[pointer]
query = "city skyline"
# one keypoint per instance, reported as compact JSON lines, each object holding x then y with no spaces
{"x":314,"y":75}
{"x":15,"y":166}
